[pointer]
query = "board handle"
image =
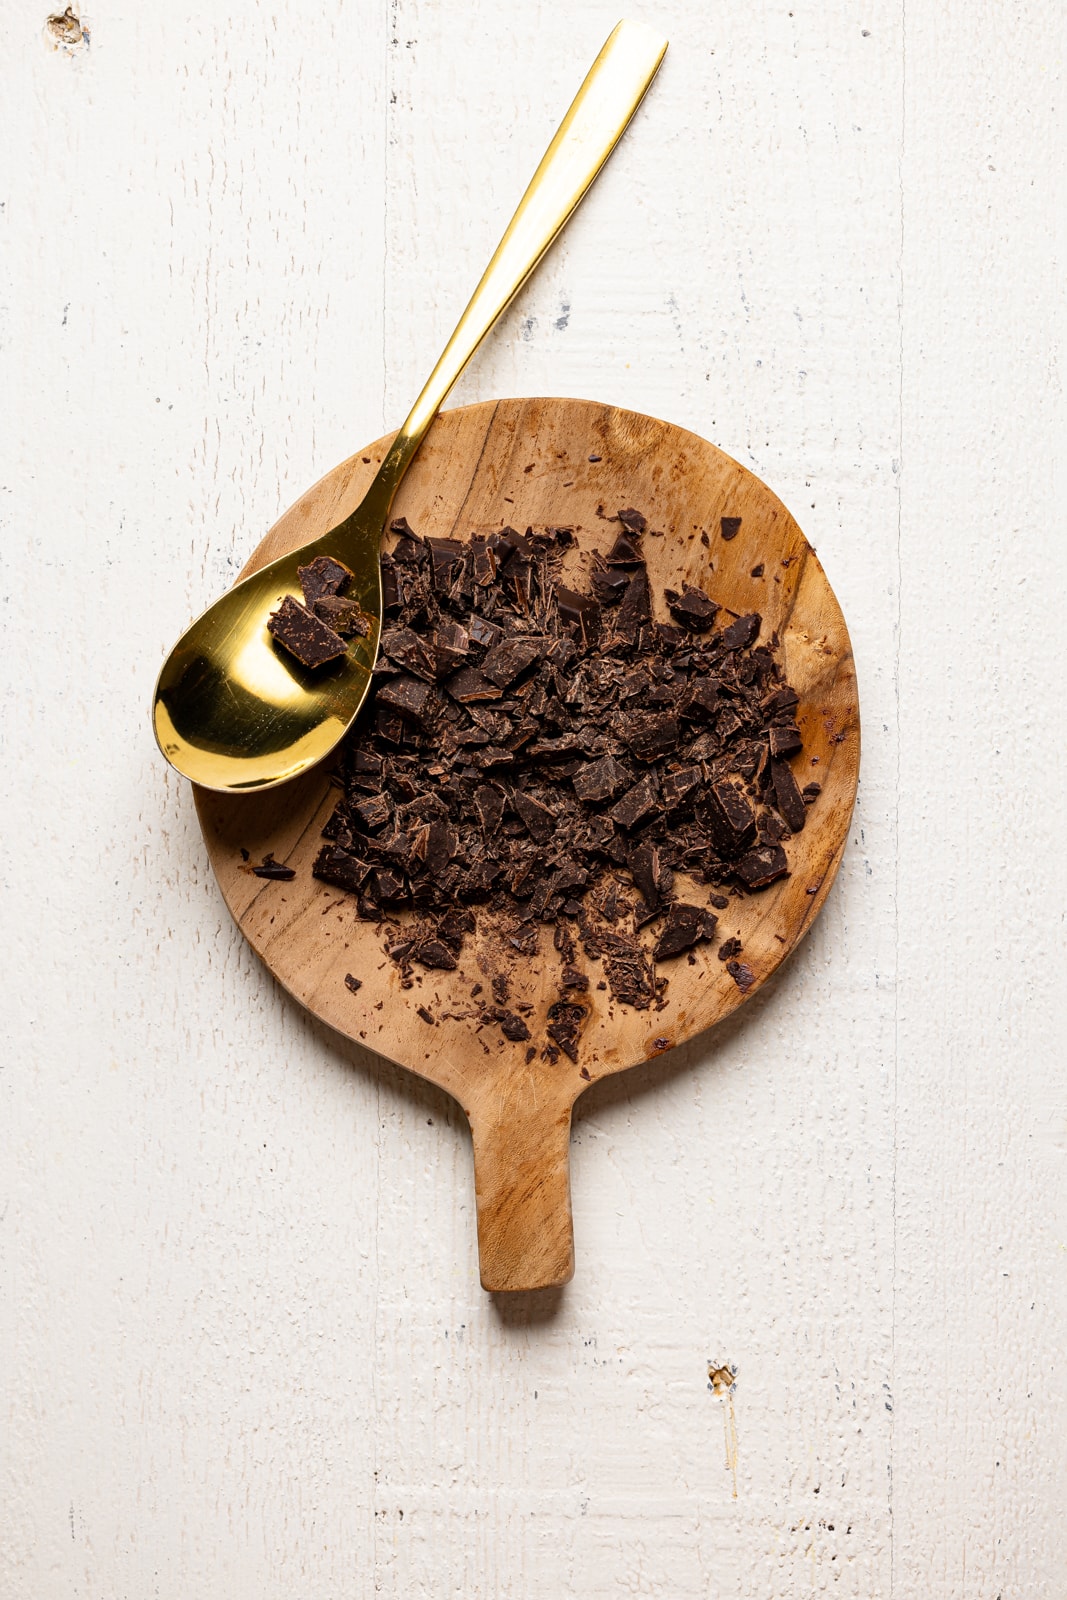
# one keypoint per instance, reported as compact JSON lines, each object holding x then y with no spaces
{"x":523,"y":1187}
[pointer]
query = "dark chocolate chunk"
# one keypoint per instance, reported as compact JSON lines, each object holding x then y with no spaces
{"x":434,"y":953}
{"x":323,"y":576}
{"x":684,"y":927}
{"x":600,"y":780}
{"x":565,"y":1021}
{"x":446,"y":561}
{"x":427,"y":1016}
{"x":730,"y":527}
{"x":571,"y":978}
{"x":269,"y":868}
{"x":787,"y":796}
{"x":489,"y":803}
{"x":580,"y":612}
{"x":610,"y":584}
{"x":471,"y":687}
{"x":729,"y":817}
{"x":635,"y":609}
{"x":783,"y":699}
{"x":705,"y":695}
{"x":304,"y":636}
{"x":811,"y":792}
{"x":692,"y":609}
{"x":784,"y":739}
{"x":512,"y":1026}
{"x":624,"y":553}
{"x":540,"y":820}
{"x":450,"y":644}
{"x":405,"y":647}
{"x":344,"y":616}
{"x":678,"y":787}
{"x":742,"y":975}
{"x":505,"y":661}
{"x":741,"y":633}
{"x":649,"y":734}
{"x":632,"y":521}
{"x":353,"y":983}
{"x":729,"y":949}
{"x":406,"y":696}
{"x":336,"y":865}
{"x":645,"y":868}
{"x":635,"y":804}
{"x":374,"y":812}
{"x":762,"y":866}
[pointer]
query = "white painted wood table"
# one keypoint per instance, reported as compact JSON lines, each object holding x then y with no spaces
{"x":244,"y":1351}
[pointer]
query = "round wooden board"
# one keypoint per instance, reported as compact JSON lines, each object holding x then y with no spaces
{"x":551,"y":462}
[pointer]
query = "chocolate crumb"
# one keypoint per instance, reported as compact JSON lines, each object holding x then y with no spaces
{"x":742,"y":975}
{"x":269,"y":868}
{"x":427,"y":1016}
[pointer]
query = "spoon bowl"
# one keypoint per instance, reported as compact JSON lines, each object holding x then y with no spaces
{"x":231,"y":710}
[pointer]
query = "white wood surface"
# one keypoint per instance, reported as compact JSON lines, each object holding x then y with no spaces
{"x":243,"y":1350}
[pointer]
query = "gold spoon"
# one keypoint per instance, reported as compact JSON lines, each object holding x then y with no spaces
{"x":232,"y":711}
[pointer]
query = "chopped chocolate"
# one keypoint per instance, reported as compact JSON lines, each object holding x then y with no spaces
{"x":692,"y":608}
{"x":729,"y":817}
{"x":742,"y":975}
{"x":565,"y":1025}
{"x":684,"y":927}
{"x":636,"y":608}
{"x":323,"y":576}
{"x":649,"y":734}
{"x":344,"y":616}
{"x":471,"y":687}
{"x":407,"y":650}
{"x":338,"y":866}
{"x":304,"y":635}
{"x":580,"y":612}
{"x":600,"y":780}
{"x":506,"y":660}
{"x":353,"y":983}
{"x":624,"y":553}
{"x":511,"y":1026}
{"x":434,"y":953}
{"x":540,"y":819}
{"x":406,"y":696}
{"x":729,"y":527}
{"x":635,"y":804}
{"x":729,"y":949}
{"x":677,"y":787}
{"x":450,"y":644}
{"x":269,"y":868}
{"x":784,"y":739}
{"x":533,"y":755}
{"x":787,"y":797}
{"x":762,"y":866}
{"x":374,"y":812}
{"x":742,"y":632}
{"x":811,"y":792}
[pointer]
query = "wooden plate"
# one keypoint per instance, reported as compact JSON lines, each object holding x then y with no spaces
{"x":551,"y":462}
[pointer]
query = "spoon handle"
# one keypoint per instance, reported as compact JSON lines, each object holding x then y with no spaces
{"x":613,"y":89}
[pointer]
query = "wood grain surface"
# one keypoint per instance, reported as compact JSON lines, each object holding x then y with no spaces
{"x":543,"y":463}
{"x":244,"y":1350}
